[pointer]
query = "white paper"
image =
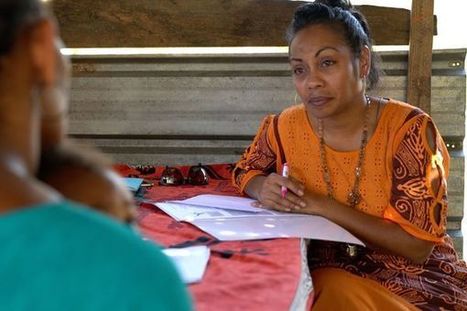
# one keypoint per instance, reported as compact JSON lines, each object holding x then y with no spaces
{"x":182,"y":212}
{"x":268,"y":227}
{"x":222,"y":202}
{"x":190,"y":261}
{"x":230,"y":218}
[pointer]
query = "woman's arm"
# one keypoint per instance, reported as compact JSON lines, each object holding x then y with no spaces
{"x":416,"y":214}
{"x":254,"y":174}
{"x":375,"y":231}
{"x":257,"y":160}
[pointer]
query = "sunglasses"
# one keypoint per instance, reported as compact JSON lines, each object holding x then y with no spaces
{"x":172,"y":176}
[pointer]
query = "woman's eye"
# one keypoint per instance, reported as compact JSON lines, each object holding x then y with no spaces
{"x":298,"y":71}
{"x":327,"y":63}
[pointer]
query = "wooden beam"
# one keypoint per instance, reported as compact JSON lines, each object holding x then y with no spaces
{"x":420,"y":54}
{"x":177,"y":23}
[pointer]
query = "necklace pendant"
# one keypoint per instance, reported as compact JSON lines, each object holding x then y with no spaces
{"x":353,"y":198}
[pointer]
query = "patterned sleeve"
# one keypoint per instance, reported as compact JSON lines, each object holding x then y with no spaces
{"x":258,"y":159}
{"x":418,"y":201}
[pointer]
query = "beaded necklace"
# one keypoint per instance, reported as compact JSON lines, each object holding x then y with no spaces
{"x":354,"y":197}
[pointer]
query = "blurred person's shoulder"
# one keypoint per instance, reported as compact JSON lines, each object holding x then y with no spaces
{"x":104,"y":261}
{"x":82,"y":225}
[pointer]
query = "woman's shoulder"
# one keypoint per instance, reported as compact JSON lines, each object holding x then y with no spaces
{"x":17,"y":191}
{"x":62,"y":215}
{"x":289,"y":115}
{"x":293,"y":112}
{"x":87,"y":244}
{"x":67,"y":224}
{"x":404,"y":109}
{"x":397,"y":113}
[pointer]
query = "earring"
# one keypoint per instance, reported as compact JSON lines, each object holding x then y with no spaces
{"x":295,"y":99}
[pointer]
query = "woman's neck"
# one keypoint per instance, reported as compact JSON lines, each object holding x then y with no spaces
{"x":20,"y":127}
{"x":343,"y":130}
{"x":18,"y":187}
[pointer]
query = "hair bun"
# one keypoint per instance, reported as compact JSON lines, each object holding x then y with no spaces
{"x":343,"y":4}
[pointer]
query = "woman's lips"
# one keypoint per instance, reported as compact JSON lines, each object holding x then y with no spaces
{"x":318,"y":101}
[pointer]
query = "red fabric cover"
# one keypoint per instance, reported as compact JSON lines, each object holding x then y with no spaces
{"x":244,"y":275}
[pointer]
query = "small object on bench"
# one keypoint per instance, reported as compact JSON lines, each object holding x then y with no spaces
{"x":172,"y":176}
{"x":133,"y":184}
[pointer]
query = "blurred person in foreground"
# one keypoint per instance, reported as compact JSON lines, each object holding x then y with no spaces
{"x":79,"y":173}
{"x":56,"y":256}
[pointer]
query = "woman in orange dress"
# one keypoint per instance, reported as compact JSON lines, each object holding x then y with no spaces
{"x":373,"y":165}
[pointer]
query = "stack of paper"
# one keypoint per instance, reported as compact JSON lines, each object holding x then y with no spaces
{"x":230,"y":218}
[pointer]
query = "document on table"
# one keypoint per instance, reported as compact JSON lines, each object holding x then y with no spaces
{"x":230,"y":218}
{"x":190,"y":261}
{"x":225,"y":202}
{"x":282,"y":226}
{"x":188,"y":213}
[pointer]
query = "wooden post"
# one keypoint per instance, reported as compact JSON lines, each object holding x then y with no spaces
{"x":420,"y":54}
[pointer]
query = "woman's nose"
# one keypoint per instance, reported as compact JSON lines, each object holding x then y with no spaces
{"x":314,"y":81}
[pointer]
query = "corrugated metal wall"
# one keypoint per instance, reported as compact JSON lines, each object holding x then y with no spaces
{"x":185,"y":110}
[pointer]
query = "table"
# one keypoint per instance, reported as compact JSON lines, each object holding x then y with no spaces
{"x":241,"y":275}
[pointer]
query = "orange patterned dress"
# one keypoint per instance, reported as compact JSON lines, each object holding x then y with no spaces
{"x":403,"y":180}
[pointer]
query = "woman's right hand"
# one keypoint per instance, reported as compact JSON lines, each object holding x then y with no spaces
{"x":267,"y":190}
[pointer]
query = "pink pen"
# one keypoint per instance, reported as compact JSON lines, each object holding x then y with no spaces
{"x":285,"y":173}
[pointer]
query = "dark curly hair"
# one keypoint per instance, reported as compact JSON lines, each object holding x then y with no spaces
{"x":339,"y":13}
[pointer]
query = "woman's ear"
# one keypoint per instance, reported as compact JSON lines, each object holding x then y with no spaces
{"x":43,"y":51}
{"x":365,"y":62}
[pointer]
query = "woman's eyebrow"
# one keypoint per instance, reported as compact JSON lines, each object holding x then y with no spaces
{"x":325,"y":48}
{"x":294,"y":59}
{"x":316,"y":54}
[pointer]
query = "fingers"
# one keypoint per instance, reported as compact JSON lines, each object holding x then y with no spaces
{"x":279,"y":204}
{"x":292,"y":185}
{"x":273,"y":198}
{"x":293,"y":200}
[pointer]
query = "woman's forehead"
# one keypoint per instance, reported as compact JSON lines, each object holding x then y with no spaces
{"x":315,"y":38}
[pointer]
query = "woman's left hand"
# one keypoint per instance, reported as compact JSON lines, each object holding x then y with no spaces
{"x":316,"y":204}
{"x":373,"y":230}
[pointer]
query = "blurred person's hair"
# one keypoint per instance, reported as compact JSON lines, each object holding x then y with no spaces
{"x":14,"y":16}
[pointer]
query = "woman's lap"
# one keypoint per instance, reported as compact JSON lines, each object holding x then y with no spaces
{"x":337,"y":289}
